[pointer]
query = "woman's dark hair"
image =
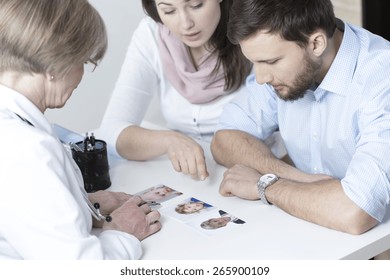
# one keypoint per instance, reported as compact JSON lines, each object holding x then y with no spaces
{"x":293,"y":20}
{"x":235,"y":65}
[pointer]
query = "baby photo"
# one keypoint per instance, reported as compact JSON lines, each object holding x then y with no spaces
{"x":215,"y":222}
{"x":188,"y":209}
{"x":155,"y":195}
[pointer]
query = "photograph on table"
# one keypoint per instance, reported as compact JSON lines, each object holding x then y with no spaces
{"x":157,"y":194}
{"x":215,"y":222}
{"x":188,"y":209}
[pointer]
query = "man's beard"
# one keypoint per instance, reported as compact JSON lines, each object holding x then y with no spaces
{"x":304,"y":81}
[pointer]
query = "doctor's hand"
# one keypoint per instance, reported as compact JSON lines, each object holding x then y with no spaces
{"x":187,"y":156}
{"x":134,"y":217}
{"x":108,"y":201}
{"x":240,"y":181}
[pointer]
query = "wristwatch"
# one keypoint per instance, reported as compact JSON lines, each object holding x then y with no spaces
{"x":264,"y":182}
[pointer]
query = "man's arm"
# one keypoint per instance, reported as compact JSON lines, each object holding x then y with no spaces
{"x":230,"y":147}
{"x":316,"y":198}
{"x":322,"y":202}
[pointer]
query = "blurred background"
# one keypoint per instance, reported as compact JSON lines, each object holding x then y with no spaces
{"x":84,"y":110}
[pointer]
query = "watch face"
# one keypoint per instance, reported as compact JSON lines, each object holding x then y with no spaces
{"x":268,"y":177}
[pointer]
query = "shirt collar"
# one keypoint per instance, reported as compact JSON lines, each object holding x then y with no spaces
{"x":342,"y":70}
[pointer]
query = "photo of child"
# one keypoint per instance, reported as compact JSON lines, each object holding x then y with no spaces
{"x":155,"y":195}
{"x":215,"y":223}
{"x":188,"y":209}
{"x":222,"y":221}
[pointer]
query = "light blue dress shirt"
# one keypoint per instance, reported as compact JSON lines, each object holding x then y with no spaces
{"x":342,"y":128}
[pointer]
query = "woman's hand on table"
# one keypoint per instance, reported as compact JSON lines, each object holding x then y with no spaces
{"x":187,"y":156}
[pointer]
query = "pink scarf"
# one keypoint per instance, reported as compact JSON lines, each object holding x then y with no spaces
{"x":197,"y":86}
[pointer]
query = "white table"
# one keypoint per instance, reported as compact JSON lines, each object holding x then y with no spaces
{"x":269,"y":233}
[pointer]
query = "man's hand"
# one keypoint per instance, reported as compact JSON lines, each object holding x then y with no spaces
{"x":240,"y":181}
{"x":134,"y":217}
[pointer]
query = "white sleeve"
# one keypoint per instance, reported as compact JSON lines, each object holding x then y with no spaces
{"x":45,"y":215}
{"x":114,"y":242}
{"x":138,"y":81}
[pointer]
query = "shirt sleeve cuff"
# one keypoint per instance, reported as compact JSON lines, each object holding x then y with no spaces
{"x":120,"y":245}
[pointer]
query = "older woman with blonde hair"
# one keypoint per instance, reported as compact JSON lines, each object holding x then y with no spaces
{"x":44,"y":46}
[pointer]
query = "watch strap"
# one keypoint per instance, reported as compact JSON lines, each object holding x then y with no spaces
{"x":262,"y":185}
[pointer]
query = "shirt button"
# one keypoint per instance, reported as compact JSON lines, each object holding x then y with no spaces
{"x":194,"y":120}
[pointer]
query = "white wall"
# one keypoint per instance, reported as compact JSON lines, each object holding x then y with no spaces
{"x":85,"y":109}
{"x":349,"y":10}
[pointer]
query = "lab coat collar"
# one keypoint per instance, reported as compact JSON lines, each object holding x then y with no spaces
{"x":22,"y":106}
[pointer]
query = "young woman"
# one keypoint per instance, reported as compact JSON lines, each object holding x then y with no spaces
{"x":180,"y":53}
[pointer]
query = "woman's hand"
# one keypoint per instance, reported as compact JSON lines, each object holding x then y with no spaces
{"x":187,"y":156}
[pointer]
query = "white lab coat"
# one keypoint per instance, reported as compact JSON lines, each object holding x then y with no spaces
{"x":44,"y":213}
